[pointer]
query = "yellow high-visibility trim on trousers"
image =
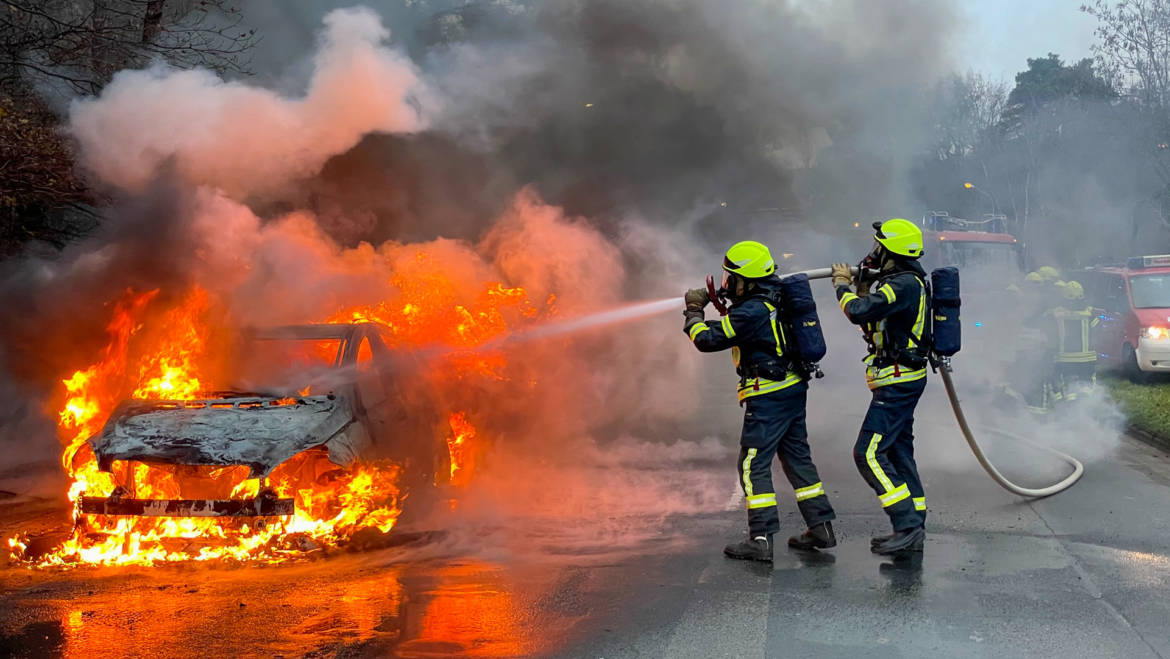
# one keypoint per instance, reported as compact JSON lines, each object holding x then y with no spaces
{"x":697,"y":329}
{"x":806,"y":493}
{"x":919,"y":503}
{"x":761,"y":501}
{"x":761,"y":386}
{"x":879,"y":377}
{"x":895,"y":495}
{"x":871,"y":459}
{"x":747,"y":472}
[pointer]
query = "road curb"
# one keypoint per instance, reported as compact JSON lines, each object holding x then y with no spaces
{"x":1152,"y":438}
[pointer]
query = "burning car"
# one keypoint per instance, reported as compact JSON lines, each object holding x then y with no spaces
{"x":315,"y":441}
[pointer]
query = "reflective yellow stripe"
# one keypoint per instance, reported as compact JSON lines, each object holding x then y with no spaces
{"x":920,"y":322}
{"x":894,"y":496}
{"x":880,"y":377}
{"x":846,"y":299}
{"x":761,"y":501}
{"x":809,"y":492}
{"x":697,"y":329}
{"x":748,"y":388}
{"x":727,"y":328}
{"x":871,"y":458}
{"x":777,"y":330}
{"x":747,"y":472}
{"x":888,"y":291}
{"x":919,"y":503}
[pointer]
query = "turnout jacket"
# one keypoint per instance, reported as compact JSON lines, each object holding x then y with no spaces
{"x":755,"y":338}
{"x":894,"y":320}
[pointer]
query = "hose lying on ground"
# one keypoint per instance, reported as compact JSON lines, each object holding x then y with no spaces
{"x":953,"y":396}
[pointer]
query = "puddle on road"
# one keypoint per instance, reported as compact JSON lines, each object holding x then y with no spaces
{"x":345,"y":605}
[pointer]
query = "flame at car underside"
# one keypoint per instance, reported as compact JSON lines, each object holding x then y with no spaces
{"x":168,"y":356}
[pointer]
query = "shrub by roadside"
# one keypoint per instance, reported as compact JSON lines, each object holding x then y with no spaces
{"x":1147,"y":406}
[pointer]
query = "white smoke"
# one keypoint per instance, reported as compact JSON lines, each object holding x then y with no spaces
{"x":243,"y":139}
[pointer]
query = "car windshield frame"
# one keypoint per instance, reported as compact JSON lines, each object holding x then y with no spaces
{"x":1142,"y":296}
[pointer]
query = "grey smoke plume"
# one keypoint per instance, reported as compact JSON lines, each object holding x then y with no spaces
{"x":664,"y":109}
{"x":596,"y":149}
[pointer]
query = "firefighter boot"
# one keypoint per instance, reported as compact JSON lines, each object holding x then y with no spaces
{"x":758,"y":548}
{"x":902,"y":541}
{"x":817,"y":537}
{"x":879,"y":539}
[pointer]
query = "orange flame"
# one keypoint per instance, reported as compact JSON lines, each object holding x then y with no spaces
{"x":166,"y":356}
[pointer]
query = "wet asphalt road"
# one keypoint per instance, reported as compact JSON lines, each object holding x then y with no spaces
{"x":1083,"y":574}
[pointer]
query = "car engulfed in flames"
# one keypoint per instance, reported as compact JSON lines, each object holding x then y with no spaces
{"x":319,"y":438}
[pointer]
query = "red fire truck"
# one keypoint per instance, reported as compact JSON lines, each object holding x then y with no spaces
{"x":969,"y":244}
{"x":1133,"y":304}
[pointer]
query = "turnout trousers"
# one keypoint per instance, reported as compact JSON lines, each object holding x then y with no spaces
{"x":884,"y":453}
{"x":774,"y":426}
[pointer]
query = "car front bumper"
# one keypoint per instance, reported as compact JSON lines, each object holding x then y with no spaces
{"x":1153,"y":355}
{"x":261,"y":506}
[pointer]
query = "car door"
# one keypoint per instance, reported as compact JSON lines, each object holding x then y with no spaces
{"x":1108,"y":298}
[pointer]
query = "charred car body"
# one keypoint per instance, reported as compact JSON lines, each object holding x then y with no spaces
{"x":361,"y":413}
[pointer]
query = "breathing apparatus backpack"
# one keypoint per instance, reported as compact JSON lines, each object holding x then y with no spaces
{"x":946,"y":330}
{"x":800,"y":327}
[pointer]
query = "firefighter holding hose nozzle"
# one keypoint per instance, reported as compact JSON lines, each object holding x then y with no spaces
{"x":773,"y":392}
{"x":895,"y":320}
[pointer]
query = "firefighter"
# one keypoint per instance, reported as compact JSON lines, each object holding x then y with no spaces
{"x":895,"y":322}
{"x":1075,"y":359}
{"x":773,"y":395}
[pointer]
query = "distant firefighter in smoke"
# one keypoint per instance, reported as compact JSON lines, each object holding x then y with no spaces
{"x":895,"y":319}
{"x":773,"y":391}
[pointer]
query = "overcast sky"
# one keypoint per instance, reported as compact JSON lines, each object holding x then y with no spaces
{"x":1003,"y":34}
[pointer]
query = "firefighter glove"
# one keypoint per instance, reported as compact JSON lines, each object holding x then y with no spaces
{"x":842,"y":276}
{"x":696,"y":299}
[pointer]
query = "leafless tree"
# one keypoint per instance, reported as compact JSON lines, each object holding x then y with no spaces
{"x":1134,"y":47}
{"x":75,"y":46}
{"x":82,"y":43}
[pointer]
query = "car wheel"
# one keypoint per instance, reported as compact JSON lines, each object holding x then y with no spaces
{"x":1132,"y":370}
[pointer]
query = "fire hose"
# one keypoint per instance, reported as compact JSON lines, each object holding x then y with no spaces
{"x":944,"y":369}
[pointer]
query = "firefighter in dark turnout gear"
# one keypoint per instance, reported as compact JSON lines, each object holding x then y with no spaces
{"x":773,"y":395}
{"x":895,"y":320}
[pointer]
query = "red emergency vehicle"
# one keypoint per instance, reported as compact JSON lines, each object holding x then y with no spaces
{"x":985,"y":244}
{"x":1133,"y":304}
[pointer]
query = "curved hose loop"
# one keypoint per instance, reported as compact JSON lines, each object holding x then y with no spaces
{"x":1056,"y":488}
{"x":965,"y":428}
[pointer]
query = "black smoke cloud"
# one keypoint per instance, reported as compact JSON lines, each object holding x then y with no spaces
{"x":718,"y":114}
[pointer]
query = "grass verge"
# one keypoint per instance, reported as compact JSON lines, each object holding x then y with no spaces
{"x":1147,"y":406}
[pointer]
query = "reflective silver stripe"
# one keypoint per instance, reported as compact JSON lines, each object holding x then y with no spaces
{"x":871,"y":458}
{"x":747,"y":472}
{"x":761,"y":501}
{"x":809,"y":492}
{"x":697,"y":329}
{"x":727,"y":328}
{"x":919,"y":503}
{"x":894,"y":496}
{"x":888,"y":291}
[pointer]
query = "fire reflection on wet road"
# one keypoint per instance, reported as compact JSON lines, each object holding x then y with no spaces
{"x":346,"y":605}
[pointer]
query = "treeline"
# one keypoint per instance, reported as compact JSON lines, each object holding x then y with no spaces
{"x":1078,"y":153}
{"x":53,"y":50}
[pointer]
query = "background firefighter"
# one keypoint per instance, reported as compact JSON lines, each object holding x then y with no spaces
{"x":894,"y":319}
{"x":774,"y":397}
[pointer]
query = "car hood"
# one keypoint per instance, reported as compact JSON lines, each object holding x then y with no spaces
{"x":258,"y":431}
{"x":1153,"y":317}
